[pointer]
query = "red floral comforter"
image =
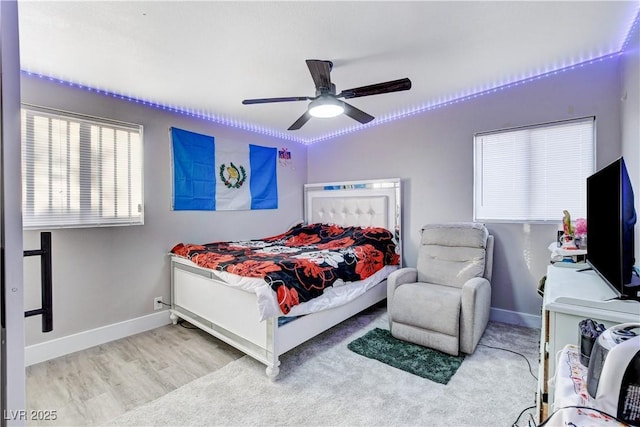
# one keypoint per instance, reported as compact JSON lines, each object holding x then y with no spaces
{"x":301,"y":263}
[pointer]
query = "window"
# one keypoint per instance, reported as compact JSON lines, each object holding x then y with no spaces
{"x":533,"y":173}
{"x":79,"y":171}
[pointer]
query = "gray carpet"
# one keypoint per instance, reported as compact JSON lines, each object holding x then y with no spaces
{"x":323,"y":383}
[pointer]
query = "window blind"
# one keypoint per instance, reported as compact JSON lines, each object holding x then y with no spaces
{"x":533,"y":173}
{"x":80,"y":171}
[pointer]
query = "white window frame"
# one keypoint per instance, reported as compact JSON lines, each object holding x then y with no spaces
{"x":80,"y":171}
{"x":510,"y":187}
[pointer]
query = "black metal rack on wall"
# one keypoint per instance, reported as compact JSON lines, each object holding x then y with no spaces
{"x":46,"y":282}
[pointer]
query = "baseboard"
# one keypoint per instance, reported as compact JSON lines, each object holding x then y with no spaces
{"x":61,"y":346}
{"x":65,"y":345}
{"x":515,"y":318}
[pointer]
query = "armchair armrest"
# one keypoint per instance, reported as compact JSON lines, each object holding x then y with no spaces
{"x":474,"y":312}
{"x":399,"y":277}
{"x":472,"y":285}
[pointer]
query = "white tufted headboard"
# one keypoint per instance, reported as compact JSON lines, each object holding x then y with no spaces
{"x":355,"y":203}
{"x":363,"y":211}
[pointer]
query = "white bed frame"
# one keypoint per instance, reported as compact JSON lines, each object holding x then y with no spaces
{"x":231,"y":314}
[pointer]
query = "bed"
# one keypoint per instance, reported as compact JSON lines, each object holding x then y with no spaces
{"x":226,"y":307}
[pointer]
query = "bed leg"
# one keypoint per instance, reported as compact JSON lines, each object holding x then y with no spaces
{"x":273,"y":371}
{"x":174,"y":318}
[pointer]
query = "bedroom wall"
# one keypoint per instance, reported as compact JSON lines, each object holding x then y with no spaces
{"x":630,"y":101}
{"x":432,"y":153}
{"x":102,"y":276}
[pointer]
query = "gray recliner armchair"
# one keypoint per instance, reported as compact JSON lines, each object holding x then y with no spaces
{"x":444,"y":302}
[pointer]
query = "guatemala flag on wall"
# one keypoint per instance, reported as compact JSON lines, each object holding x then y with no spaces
{"x":215,"y":175}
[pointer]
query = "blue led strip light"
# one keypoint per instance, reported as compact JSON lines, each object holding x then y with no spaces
{"x":633,"y":31}
{"x":633,"y":27}
{"x":174,"y":109}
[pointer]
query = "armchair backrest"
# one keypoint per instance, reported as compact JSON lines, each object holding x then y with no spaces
{"x":452,"y":253}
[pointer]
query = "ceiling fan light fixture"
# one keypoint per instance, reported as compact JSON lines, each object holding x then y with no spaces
{"x":326,"y":107}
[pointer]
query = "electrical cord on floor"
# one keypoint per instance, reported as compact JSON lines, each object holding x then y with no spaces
{"x":581,"y":407}
{"x":186,"y":324}
{"x":181,"y":322}
{"x":515,"y":423}
{"x":514,"y":352}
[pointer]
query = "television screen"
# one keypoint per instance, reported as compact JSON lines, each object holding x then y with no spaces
{"x":610,"y":222}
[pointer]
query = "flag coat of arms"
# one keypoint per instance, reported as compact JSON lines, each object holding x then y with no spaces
{"x":222,"y":175}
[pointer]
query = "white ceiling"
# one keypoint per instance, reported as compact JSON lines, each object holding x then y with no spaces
{"x":207,"y":56}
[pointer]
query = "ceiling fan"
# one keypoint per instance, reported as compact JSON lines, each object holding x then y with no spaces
{"x":326,"y":103}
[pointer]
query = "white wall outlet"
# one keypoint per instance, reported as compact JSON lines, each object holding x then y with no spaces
{"x":157,"y":303}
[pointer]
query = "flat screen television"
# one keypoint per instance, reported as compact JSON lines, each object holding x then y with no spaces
{"x":611,"y":218}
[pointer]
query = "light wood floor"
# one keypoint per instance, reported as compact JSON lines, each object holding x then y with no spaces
{"x":92,"y":386}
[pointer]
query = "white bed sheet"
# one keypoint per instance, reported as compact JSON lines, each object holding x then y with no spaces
{"x":338,"y":294}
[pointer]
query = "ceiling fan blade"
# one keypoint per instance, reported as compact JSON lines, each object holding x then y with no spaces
{"x":301,"y":121}
{"x":376,"y":89}
{"x":357,"y":114}
{"x":266,"y":100}
{"x":321,"y":74}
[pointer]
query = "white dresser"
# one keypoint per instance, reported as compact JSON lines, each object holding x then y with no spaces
{"x":569,"y":297}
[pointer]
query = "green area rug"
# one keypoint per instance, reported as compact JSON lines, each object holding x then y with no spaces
{"x":433,"y":365}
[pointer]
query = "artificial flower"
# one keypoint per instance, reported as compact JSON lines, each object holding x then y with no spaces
{"x":566,"y":223}
{"x":581,"y":226}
